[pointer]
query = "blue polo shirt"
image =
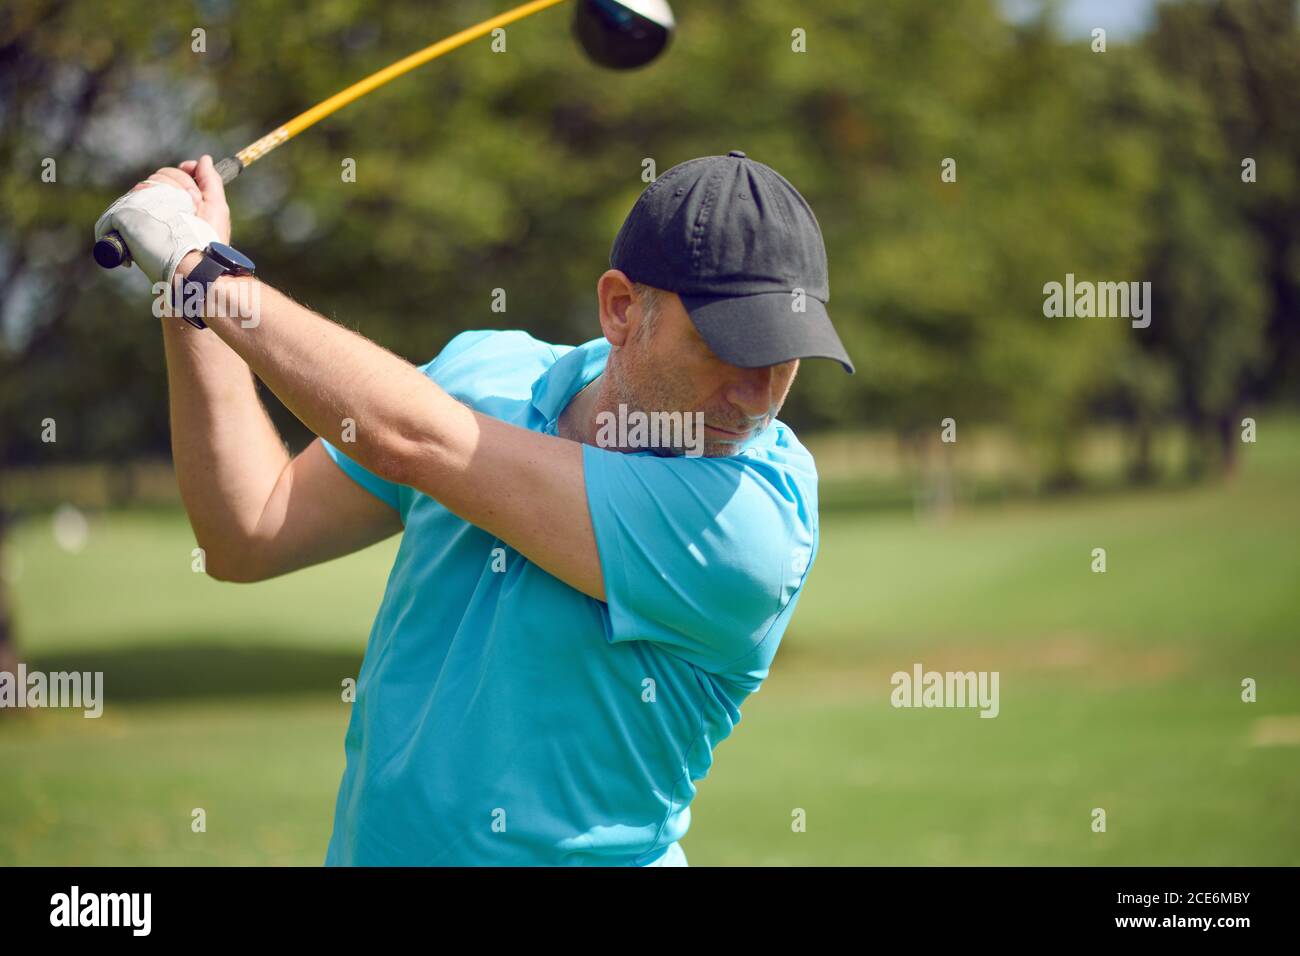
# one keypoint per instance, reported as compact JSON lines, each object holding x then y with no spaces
{"x":503,"y":717}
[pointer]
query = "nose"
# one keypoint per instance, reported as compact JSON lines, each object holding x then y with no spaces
{"x":751,"y":391}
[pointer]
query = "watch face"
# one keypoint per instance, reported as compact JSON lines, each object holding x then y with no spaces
{"x":230,"y":258}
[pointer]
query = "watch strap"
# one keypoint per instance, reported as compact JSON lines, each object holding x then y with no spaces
{"x":204,"y":274}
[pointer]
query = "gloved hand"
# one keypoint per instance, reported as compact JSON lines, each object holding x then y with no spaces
{"x":158,"y":219}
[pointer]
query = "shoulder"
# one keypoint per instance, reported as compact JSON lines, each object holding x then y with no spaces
{"x":704,"y":555}
{"x":774,"y":473}
{"x":755,"y":508}
{"x":777,"y":474}
{"x":492,"y":362}
{"x":780,"y":455}
{"x":779,"y":493}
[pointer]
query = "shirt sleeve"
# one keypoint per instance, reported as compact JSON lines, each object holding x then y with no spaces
{"x":700,"y":555}
{"x":381,"y":488}
{"x":386,"y":491}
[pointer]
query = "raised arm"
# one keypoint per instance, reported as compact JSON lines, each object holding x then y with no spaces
{"x":521,"y":486}
{"x":254,"y":511}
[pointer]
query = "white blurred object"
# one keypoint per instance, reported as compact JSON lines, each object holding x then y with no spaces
{"x":71,"y":529}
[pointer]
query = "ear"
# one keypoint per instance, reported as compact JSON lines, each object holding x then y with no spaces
{"x":616,"y":295}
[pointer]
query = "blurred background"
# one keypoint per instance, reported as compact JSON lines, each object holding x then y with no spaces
{"x":1120,"y":690}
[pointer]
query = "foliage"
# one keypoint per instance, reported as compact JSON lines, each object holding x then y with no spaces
{"x":514,"y":170}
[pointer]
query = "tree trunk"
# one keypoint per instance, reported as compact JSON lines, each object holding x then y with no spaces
{"x":1229,"y":440}
{"x":8,"y":650}
{"x":1141,"y":469}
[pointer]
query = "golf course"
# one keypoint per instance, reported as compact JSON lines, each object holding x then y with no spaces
{"x":1119,"y":690}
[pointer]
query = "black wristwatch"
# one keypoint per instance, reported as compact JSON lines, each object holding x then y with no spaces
{"x":218,"y":260}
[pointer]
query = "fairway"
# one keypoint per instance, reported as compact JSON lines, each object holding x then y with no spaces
{"x":1119,"y":691}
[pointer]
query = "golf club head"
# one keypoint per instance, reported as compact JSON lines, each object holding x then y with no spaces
{"x":623,"y":34}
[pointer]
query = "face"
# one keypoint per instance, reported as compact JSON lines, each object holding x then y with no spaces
{"x":672,"y":369}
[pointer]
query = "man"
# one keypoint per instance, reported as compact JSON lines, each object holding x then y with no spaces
{"x":568,"y":629}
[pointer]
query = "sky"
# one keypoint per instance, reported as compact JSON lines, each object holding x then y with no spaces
{"x":1122,"y":19}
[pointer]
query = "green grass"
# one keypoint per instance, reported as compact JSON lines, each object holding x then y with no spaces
{"x":1118,"y":691}
{"x":121,"y":790}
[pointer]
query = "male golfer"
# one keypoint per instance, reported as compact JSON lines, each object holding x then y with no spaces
{"x":571,"y":624}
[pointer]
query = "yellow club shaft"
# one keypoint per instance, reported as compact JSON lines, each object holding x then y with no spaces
{"x":255,"y":151}
{"x":111,"y":252}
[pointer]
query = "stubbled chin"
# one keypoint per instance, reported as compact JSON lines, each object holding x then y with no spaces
{"x":722,"y":449}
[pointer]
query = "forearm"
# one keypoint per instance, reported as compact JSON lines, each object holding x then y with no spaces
{"x":226,"y":451}
{"x":326,"y":375}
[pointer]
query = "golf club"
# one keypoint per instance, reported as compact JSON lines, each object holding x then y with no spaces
{"x":623,"y":34}
{"x":620,"y":34}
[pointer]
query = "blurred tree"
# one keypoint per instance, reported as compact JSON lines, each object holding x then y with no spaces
{"x":1223,"y":260}
{"x":514,"y":170}
{"x":1243,"y":57}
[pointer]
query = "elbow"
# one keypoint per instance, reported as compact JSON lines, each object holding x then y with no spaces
{"x":425,"y":450}
{"x":236,"y":568}
{"x":398,"y":461}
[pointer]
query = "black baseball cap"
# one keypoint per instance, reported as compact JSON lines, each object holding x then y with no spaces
{"x":735,"y":241}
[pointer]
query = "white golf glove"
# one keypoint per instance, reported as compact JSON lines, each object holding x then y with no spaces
{"x":160,"y":228}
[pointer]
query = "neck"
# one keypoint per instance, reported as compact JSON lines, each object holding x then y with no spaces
{"x":577,"y":420}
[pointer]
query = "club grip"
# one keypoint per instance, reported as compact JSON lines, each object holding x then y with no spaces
{"x":110,"y":251}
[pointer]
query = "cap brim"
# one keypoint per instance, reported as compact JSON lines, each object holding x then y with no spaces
{"x":753,"y":331}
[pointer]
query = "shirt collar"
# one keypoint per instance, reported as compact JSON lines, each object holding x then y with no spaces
{"x":568,"y":375}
